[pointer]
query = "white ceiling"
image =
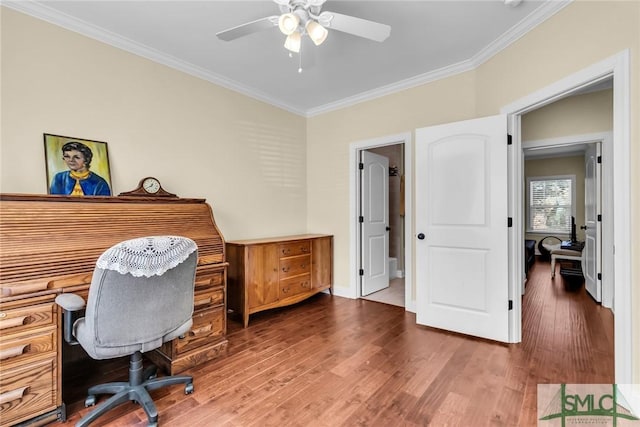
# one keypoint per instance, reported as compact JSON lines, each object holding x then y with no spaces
{"x":429,"y":40}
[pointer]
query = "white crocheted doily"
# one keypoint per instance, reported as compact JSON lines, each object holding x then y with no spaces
{"x":147,"y":256}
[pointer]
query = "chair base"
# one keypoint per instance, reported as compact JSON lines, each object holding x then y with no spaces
{"x":137,"y":390}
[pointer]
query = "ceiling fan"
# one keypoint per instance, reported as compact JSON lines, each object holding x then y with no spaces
{"x":300,"y":17}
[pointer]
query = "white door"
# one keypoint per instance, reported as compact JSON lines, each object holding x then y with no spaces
{"x":374,"y":214}
{"x":461,"y":224}
{"x":591,"y":255}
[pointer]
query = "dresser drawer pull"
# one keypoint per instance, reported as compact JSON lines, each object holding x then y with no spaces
{"x":303,"y":266}
{"x":13,"y":322}
{"x":12,"y":395}
{"x":204,"y":301}
{"x":285,"y":269}
{"x":286,"y":251}
{"x":18,"y":350}
{"x":200,"y":331}
{"x":304,"y":249}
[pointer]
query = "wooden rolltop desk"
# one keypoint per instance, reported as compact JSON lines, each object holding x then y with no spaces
{"x":49,"y":245}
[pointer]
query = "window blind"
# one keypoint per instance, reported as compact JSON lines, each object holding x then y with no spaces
{"x":550,"y":204}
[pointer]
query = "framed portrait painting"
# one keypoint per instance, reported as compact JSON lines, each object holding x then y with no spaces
{"x":76,"y":166}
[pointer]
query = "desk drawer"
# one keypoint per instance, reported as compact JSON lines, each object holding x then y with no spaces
{"x":208,"y":326}
{"x":20,"y":346}
{"x":24,"y":318}
{"x":208,"y":298}
{"x":27,"y":390}
{"x":208,"y":277}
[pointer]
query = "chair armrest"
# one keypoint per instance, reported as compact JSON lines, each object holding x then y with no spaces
{"x":71,"y":304}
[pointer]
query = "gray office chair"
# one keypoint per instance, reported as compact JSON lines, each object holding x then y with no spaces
{"x":141,"y":295}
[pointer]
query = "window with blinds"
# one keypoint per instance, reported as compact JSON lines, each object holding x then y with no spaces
{"x":551,"y":203}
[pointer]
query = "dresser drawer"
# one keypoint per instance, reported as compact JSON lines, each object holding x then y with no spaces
{"x":27,"y":390}
{"x":18,"y":347}
{"x":295,"y":266}
{"x":301,"y":247}
{"x":295,"y":285}
{"x":208,"y":297}
{"x":208,"y":325}
{"x":24,"y":318}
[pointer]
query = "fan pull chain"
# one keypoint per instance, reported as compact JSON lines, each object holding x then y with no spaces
{"x":300,"y":61}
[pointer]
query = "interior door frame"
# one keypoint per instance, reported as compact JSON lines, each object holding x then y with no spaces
{"x":354,"y":198}
{"x":617,"y":67}
{"x":606,"y":181}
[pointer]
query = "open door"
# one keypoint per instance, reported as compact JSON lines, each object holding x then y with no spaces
{"x":592,"y":253}
{"x":374,"y":217}
{"x":461,"y":219}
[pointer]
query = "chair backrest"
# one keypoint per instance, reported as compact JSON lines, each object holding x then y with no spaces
{"x":142,"y":291}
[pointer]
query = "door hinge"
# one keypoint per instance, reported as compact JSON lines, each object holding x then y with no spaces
{"x":510,"y":304}
{"x":360,"y":166}
{"x":599,"y":276}
{"x":361,"y":219}
{"x":599,"y":217}
{"x":509,"y":140}
{"x":361,"y":272}
{"x":509,"y":222}
{"x":599,"y":159}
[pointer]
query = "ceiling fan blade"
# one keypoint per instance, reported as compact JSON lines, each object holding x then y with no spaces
{"x":248,"y":28}
{"x":356,"y":26}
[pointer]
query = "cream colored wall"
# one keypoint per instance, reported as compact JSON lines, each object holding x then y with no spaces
{"x":573,"y":165}
{"x":581,"y":34}
{"x":576,"y":115}
{"x":245,"y":157}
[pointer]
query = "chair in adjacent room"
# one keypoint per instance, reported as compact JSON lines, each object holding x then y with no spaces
{"x":141,"y":295}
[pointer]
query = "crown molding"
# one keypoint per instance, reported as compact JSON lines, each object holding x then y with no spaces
{"x":45,"y":13}
{"x":379,"y":92}
{"x":541,"y":14}
{"x":528,"y":23}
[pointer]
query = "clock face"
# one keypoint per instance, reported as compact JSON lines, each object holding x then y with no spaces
{"x":151,"y":185}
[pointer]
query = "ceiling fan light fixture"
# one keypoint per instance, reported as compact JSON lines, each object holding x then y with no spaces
{"x":288,"y":23}
{"x":293,"y":42}
{"x":316,"y":32}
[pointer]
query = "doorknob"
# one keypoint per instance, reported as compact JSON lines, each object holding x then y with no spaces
{"x":583,"y":227}
{"x":388,"y":228}
{"x":421,"y":236}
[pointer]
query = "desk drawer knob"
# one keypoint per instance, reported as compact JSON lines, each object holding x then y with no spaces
{"x":12,"y":395}
{"x":13,"y":322}
{"x":18,"y":350}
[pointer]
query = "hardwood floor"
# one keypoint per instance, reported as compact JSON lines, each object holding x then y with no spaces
{"x":331,"y":361}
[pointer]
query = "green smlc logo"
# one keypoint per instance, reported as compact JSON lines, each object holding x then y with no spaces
{"x":587,"y":404}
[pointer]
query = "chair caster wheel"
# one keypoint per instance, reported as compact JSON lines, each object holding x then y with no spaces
{"x":90,"y":401}
{"x":152,"y":424}
{"x":188,"y":389}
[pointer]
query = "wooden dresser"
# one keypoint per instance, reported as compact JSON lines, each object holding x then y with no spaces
{"x":49,"y":245}
{"x":275,"y":272}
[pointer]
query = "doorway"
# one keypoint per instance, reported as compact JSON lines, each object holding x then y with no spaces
{"x":397,"y":150}
{"x":574,"y":155}
{"x":616,"y":67}
{"x":382,"y":224}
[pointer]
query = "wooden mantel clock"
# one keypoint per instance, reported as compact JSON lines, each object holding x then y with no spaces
{"x":149,"y":187}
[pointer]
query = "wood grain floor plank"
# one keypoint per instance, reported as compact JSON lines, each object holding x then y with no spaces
{"x":332,"y":362}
